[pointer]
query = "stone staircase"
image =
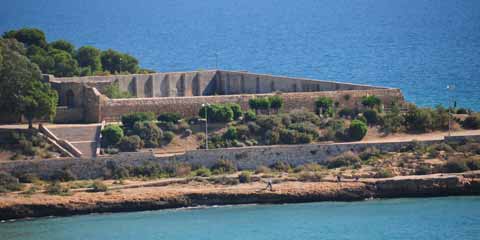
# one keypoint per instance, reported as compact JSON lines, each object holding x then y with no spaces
{"x":82,"y":137}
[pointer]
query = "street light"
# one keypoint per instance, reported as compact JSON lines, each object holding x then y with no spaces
{"x":450,"y":88}
{"x":205,"y":105}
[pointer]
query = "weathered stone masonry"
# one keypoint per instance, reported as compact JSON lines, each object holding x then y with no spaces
{"x":81,"y":98}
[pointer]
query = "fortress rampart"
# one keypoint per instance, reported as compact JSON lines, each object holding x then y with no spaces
{"x":82,"y":99}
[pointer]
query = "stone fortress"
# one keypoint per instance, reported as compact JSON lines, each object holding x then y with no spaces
{"x":82,"y":99}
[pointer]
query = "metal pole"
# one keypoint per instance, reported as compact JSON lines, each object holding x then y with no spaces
{"x":206,"y":128}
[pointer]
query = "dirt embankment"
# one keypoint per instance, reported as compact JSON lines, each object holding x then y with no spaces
{"x":14,"y":206}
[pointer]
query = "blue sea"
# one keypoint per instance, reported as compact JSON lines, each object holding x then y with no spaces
{"x":420,"y":46}
{"x":427,"y":219}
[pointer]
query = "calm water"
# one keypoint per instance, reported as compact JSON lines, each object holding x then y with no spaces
{"x":419,"y":46}
{"x":435,"y":218}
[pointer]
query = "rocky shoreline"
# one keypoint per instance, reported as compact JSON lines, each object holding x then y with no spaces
{"x":17,"y":206}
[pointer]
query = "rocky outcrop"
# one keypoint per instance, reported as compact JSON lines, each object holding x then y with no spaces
{"x":154,"y":198}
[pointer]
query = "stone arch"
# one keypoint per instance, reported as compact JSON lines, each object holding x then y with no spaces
{"x":70,"y":98}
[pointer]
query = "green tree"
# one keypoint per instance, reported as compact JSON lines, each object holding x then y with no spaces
{"x":89,"y":56}
{"x":357,"y":130}
{"x":116,"y":62}
{"x":28,"y":36}
{"x":371,"y":101}
{"x":65,"y":65}
{"x":21,"y":91}
{"x":276,"y":102}
{"x":324,"y":105}
{"x":63,"y":45}
{"x":111,"y":135}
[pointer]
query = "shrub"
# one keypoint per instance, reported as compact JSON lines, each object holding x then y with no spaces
{"x":224,"y":166}
{"x":149,"y":133}
{"x":371,"y":101}
{"x":371,"y":116}
{"x":269,"y":122}
{"x":168,"y":136}
{"x":259,"y":103}
{"x":231,"y":133}
{"x":288,"y":136}
{"x":203,"y":172}
{"x":9,"y":183}
{"x":324,"y":105}
{"x":357,"y":130}
{"x":418,"y":120}
{"x":347,"y":113}
{"x":249,"y":116}
{"x":130,"y":143}
{"x":472,"y":121}
{"x":242,"y":132}
{"x":276,"y":102}
{"x":473,"y":164}
{"x":63,"y":175}
{"x":98,"y":186}
{"x":172,"y":117}
{"x":463,"y":111}
{"x":384,"y":173}
{"x":262,"y":169}
{"x":113,"y":91}
{"x":272,"y":137}
{"x":281,"y":166}
{"x":236,"y":109}
{"x":187,"y":132}
{"x":311,"y":177}
{"x":56,"y":188}
{"x":217,"y":113}
{"x":302,"y":115}
{"x":368,"y":153}
{"x":245,"y":177}
{"x":111,"y":135}
{"x":423,"y":170}
{"x":305,"y":127}
{"x":343,"y":160}
{"x":455,"y":166}
{"x":130,"y":119}
{"x":392,"y":122}
{"x":182,"y":170}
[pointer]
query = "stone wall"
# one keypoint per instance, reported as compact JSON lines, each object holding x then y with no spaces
{"x":113,"y":109}
{"x":244,"y":158}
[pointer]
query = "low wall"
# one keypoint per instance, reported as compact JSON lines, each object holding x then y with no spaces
{"x":244,"y":158}
{"x":68,"y":115}
{"x":113,"y":109}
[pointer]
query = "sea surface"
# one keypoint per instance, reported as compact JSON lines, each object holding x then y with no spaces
{"x":420,"y":46}
{"x":427,"y":219}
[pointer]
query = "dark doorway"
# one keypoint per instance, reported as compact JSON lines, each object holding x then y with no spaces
{"x":70,"y":99}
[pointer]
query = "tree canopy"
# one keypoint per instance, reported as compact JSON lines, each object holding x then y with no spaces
{"x":62,"y":59}
{"x":21,"y":89}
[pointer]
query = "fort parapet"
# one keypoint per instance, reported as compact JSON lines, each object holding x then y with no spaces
{"x":82,"y":99}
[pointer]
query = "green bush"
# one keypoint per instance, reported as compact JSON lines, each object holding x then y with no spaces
{"x":371,"y":101}
{"x":63,"y":175}
{"x":217,"y":113}
{"x":357,"y":130}
{"x":203,"y":172}
{"x":245,"y":177}
{"x":343,"y":160}
{"x":149,"y":133}
{"x":231,"y":133}
{"x":276,"y":102}
{"x":130,"y":119}
{"x":236,"y":109}
{"x":455,"y":166}
{"x":347,"y":113}
{"x":311,"y":176}
{"x":288,"y":136}
{"x":298,"y":116}
{"x":168,"y":136}
{"x":272,"y":137}
{"x":463,"y":111}
{"x":472,"y":121}
{"x":224,"y":166}
{"x":324,"y":105}
{"x":392,"y":122}
{"x":473,"y":164}
{"x":384,"y":173}
{"x":259,"y":103}
{"x":98,"y":186}
{"x":268,"y":122}
{"x":371,"y":116}
{"x":111,"y":135}
{"x":249,"y":116}
{"x":419,"y":120}
{"x":56,"y":188}
{"x":281,"y":166}
{"x":113,"y":91}
{"x":305,"y":127}
{"x":9,"y":183}
{"x":130,"y":143}
{"x":172,"y":117}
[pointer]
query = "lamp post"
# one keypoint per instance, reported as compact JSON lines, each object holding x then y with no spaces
{"x":450,"y":88}
{"x":205,"y":105}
